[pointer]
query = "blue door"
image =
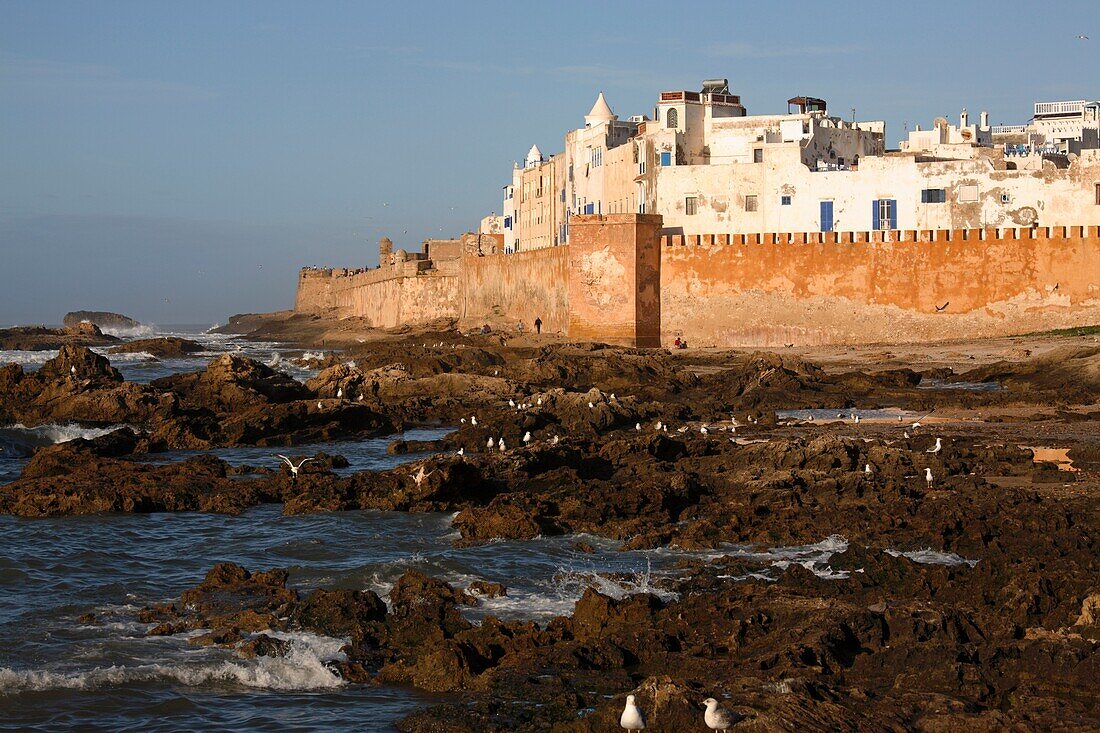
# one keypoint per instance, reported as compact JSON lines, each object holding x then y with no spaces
{"x":826,"y":216}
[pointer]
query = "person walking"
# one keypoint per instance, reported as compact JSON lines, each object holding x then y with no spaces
{"x":538,"y":325}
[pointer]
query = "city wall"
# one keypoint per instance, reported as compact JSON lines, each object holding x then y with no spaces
{"x":620,"y":281}
{"x":861,"y":287}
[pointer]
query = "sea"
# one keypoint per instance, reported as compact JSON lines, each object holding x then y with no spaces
{"x":61,"y":673}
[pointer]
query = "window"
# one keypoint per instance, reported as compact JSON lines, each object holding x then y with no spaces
{"x":690,"y":205}
{"x":641,"y":168}
{"x":1006,"y":198}
{"x":884,"y":214}
{"x":590,"y":208}
{"x":968,"y":193}
{"x":758,"y":155}
{"x":750,"y":202}
{"x":595,"y":157}
{"x":666,"y":158}
{"x":671,"y":119}
{"x":784,"y":200}
{"x":1098,"y":194}
{"x":507,"y":222}
{"x":933,"y":196}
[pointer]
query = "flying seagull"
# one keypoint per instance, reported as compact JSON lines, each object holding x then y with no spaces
{"x":1082,"y":38}
{"x":632,"y":718}
{"x":419,"y":477}
{"x":294,"y":469}
{"x":942,"y":308}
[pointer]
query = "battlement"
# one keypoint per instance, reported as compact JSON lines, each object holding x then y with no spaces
{"x":883,"y":236}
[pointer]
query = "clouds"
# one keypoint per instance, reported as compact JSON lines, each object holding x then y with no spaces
{"x":47,"y":76}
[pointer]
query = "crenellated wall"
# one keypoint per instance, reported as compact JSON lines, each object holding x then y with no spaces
{"x":771,"y":290}
{"x":620,"y":281}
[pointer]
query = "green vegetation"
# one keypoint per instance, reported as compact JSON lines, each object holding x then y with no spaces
{"x":1078,"y":331}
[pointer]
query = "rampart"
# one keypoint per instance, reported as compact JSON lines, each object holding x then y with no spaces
{"x":620,"y":281}
{"x":893,"y":286}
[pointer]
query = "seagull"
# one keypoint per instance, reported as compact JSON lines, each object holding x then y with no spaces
{"x":461,"y":452}
{"x":632,"y":718}
{"x":360,"y":398}
{"x":658,"y":426}
{"x":637,"y":426}
{"x":554,"y":440}
{"x":928,"y":477}
{"x":72,"y":369}
{"x":682,"y":430}
{"x":490,"y":445}
{"x":527,"y":438}
{"x":340,"y":393}
{"x":856,"y":418}
{"x":717,"y":718}
{"x":511,"y":403}
{"x":320,"y":405}
{"x":867,"y":469}
{"x":500,"y":444}
{"x":612,"y":395}
{"x":540,"y":402}
{"x":906,"y":434}
{"x":937,"y":447}
{"x":704,"y":430}
{"x":942,"y":308}
{"x":1082,"y":38}
{"x":463,"y":421}
{"x":473,"y":420}
{"x":591,"y":406}
{"x":294,"y":469}
{"x":420,"y":476}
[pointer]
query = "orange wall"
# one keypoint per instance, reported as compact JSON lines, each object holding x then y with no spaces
{"x":505,"y":288}
{"x":737,"y":290}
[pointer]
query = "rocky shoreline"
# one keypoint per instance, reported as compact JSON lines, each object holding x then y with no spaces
{"x":970,"y":601}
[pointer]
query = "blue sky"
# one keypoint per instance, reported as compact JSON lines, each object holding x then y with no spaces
{"x":178,"y":161}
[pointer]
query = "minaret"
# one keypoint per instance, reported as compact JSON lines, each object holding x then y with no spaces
{"x":600,"y":112}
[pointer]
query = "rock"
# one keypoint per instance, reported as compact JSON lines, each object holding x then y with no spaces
{"x":487,"y":589}
{"x":263,"y":645}
{"x":164,"y":347}
{"x":338,"y":612}
{"x":102,"y":319}
{"x":40,"y":338}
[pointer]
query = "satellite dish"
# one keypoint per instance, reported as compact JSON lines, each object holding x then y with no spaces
{"x":940,"y":122}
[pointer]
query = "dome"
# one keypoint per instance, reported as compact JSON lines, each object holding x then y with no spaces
{"x":534,"y":155}
{"x":600,"y":112}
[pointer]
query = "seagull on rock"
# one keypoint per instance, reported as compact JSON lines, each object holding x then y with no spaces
{"x":294,"y":469}
{"x":937,"y":447}
{"x":527,"y":438}
{"x":491,"y":444}
{"x":500,"y":444}
{"x":717,"y":717}
{"x":555,"y":440}
{"x":320,"y":405}
{"x":511,"y":403}
{"x":928,"y":477}
{"x":632,"y":718}
{"x":340,"y":393}
{"x":658,"y":426}
{"x":867,"y":469}
{"x":591,"y":406}
{"x":473,"y":420}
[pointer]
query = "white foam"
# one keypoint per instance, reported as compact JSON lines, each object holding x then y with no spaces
{"x":26,"y":358}
{"x":303,"y":668}
{"x":52,"y":433}
{"x":139,"y":331}
{"x":928,"y":556}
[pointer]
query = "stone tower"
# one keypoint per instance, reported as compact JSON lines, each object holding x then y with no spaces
{"x":385,"y":249}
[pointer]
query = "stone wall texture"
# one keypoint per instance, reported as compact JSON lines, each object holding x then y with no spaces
{"x":620,"y":281}
{"x":773,"y":290}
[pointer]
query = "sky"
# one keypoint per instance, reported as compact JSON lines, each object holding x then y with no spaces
{"x":179,"y":161}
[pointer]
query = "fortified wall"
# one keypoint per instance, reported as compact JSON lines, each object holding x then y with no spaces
{"x":620,"y":281}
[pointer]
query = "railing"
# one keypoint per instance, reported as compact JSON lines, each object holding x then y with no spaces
{"x":1059,"y":108}
{"x":1002,"y":129}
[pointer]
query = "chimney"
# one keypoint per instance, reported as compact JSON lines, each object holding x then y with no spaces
{"x":985,"y":120}
{"x":964,"y":119}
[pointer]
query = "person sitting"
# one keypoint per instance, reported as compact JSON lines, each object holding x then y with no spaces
{"x":677,"y":343}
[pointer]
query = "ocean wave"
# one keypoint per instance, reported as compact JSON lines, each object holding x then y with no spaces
{"x":928,"y":556}
{"x":26,"y":358}
{"x":132,"y":332}
{"x":303,"y":668}
{"x":19,"y":441}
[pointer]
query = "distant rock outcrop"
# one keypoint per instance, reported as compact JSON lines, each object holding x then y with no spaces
{"x":103,"y":319}
{"x":40,"y":338}
{"x":163,"y":347}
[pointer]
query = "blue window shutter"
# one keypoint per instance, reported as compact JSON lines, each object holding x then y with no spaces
{"x":893,"y":214}
{"x":826,"y":216}
{"x":924,"y":195}
{"x":875,"y":222}
{"x":666,"y":158}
